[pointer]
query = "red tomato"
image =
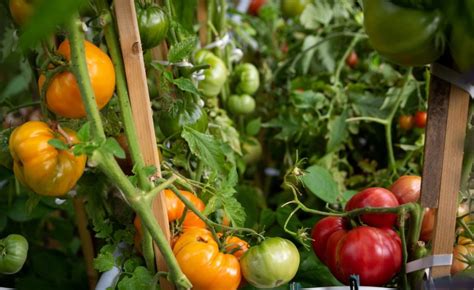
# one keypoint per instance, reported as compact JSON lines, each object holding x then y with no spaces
{"x":407,"y":188}
{"x":321,"y":232}
{"x":352,"y":60}
{"x":255,"y":6}
{"x":375,"y":197}
{"x":406,"y":122}
{"x":420,"y":119}
{"x":372,"y":253}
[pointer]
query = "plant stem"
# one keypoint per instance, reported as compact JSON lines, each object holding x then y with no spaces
{"x":341,"y":63}
{"x":106,"y":162}
{"x":402,"y":217}
{"x":148,"y":251}
{"x":26,"y":105}
{"x":122,"y":91}
{"x":152,"y":193}
{"x":172,"y":32}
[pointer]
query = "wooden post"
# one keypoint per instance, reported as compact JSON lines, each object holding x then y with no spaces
{"x":202,"y":19}
{"x":445,"y":133}
{"x":141,"y":107}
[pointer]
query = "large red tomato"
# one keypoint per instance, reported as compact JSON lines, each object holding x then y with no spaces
{"x":374,"y":254}
{"x":321,"y":232}
{"x":375,"y":197}
{"x":407,"y":188}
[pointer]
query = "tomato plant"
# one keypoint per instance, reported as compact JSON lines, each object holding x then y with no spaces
{"x":13,"y":253}
{"x":63,"y":96}
{"x":374,"y":197}
{"x":272,"y":263}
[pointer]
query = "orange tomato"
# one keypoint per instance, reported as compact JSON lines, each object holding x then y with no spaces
{"x":41,"y":166}
{"x":198,"y":256}
{"x":465,"y":247}
{"x":236,"y":246}
{"x":63,"y":96}
{"x":21,"y":10}
{"x":176,"y":208}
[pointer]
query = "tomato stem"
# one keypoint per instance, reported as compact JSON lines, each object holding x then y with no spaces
{"x":162,"y":186}
{"x":403,"y":273}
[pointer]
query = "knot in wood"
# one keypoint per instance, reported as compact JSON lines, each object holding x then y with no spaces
{"x":136,"y":48}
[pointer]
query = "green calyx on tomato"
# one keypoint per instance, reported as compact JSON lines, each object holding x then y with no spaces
{"x":185,"y":112}
{"x":272,"y":263}
{"x":13,"y":252}
{"x":404,"y":35}
{"x":246,"y":79}
{"x":215,"y":76}
{"x":241,"y":105}
{"x":153,"y":24}
{"x":292,"y":8}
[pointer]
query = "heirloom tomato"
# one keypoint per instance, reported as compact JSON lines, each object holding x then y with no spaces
{"x":255,"y":6}
{"x":13,"y":252}
{"x":175,"y":208}
{"x":39,"y":165}
{"x":375,"y":197}
{"x":63,"y":96}
{"x":272,"y":263}
{"x":374,"y":254}
{"x":404,"y":35}
{"x":406,"y":188}
{"x":321,"y":232}
{"x":462,"y":253}
{"x":214,"y":76}
{"x":427,"y":224}
{"x":246,"y":79}
{"x":241,"y":105}
{"x":201,"y":261}
{"x":153,"y":25}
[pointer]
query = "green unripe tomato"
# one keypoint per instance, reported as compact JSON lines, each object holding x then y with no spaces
{"x":246,"y":78}
{"x":272,"y":263}
{"x":13,"y":252}
{"x":241,"y":105}
{"x":215,"y":75}
{"x":153,"y":24}
{"x":252,"y":150}
{"x":292,"y":8}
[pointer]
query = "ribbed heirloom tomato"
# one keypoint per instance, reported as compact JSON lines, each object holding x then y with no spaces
{"x":215,"y":75}
{"x":13,"y":252}
{"x":375,"y":197}
{"x":175,"y":208}
{"x":321,"y":232}
{"x":63,"y":96}
{"x":40,"y":166}
{"x":205,"y":266}
{"x":407,"y":188}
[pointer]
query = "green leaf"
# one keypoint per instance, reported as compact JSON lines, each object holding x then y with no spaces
{"x":310,"y":264}
{"x":105,"y":260}
{"x":309,"y":46}
{"x":320,"y":183}
{"x":316,"y":14}
{"x":282,"y":214}
{"x":182,"y":49}
{"x":20,"y":82}
{"x":253,"y":127}
{"x":141,"y":279}
{"x":337,"y":132}
{"x":84,"y":133}
{"x":207,"y":149}
{"x":186,"y":85}
{"x":48,"y":15}
{"x":267,"y":217}
{"x":5,"y":156}
{"x":111,"y":145}
{"x":58,"y":144}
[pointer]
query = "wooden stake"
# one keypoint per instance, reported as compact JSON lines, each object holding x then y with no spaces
{"x":141,"y":107}
{"x":202,"y":19}
{"x":445,"y":133}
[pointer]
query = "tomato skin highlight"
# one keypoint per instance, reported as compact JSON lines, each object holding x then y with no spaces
{"x":375,"y":197}
{"x":272,"y":263}
{"x":13,"y":253}
{"x":407,"y":188}
{"x":63,"y":96}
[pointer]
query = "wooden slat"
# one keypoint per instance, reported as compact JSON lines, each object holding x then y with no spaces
{"x":447,"y":120}
{"x":202,"y":19}
{"x":141,"y":108}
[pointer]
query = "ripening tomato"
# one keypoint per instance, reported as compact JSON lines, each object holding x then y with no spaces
{"x":235,"y":246}
{"x":63,"y":96}
{"x":420,"y":119}
{"x":407,"y":188}
{"x":406,"y":122}
{"x":176,"y":208}
{"x":321,"y":232}
{"x":272,"y":263}
{"x":374,"y":254}
{"x":375,"y":197}
{"x":41,"y":166}
{"x":427,"y":225}
{"x":463,"y":251}
{"x":352,"y":60}
{"x":205,"y":266}
{"x":21,"y":10}
{"x":255,"y":6}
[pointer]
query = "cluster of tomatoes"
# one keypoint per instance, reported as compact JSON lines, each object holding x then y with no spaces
{"x":407,"y":122}
{"x":372,"y":250}
{"x":229,"y":262}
